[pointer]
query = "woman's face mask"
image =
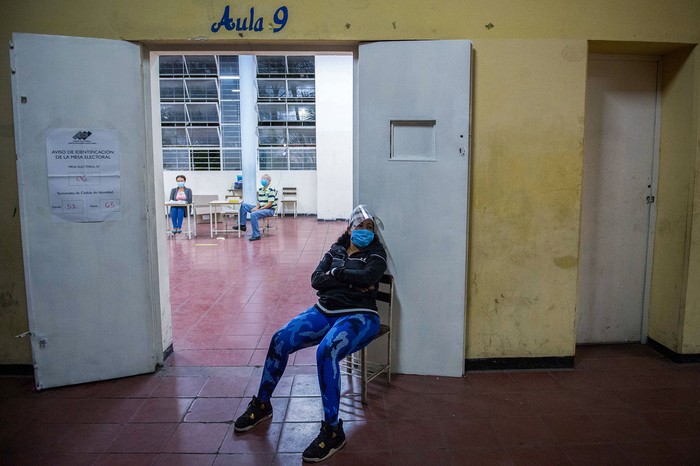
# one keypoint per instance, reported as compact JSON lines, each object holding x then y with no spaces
{"x":180,"y":184}
{"x":361,"y":238}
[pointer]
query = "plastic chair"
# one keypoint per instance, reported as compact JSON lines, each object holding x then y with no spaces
{"x":358,"y":364}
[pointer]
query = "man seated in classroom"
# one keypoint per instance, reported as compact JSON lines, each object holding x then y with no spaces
{"x":266,"y":206}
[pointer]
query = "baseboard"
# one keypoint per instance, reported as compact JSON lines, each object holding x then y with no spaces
{"x":16,"y":369}
{"x":672,"y":355}
{"x":500,"y":364}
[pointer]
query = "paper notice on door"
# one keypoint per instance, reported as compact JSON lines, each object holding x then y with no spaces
{"x":83,"y":175}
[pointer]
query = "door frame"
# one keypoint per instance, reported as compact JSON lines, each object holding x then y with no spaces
{"x":151,"y":50}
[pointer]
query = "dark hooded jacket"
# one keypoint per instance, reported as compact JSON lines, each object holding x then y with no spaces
{"x":340,"y":278}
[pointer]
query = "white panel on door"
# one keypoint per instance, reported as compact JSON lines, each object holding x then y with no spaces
{"x":89,"y":288}
{"x":412,"y":168}
{"x":617,"y":185}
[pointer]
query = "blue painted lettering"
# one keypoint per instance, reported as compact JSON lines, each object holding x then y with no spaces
{"x":281,"y":16}
{"x":250,"y":23}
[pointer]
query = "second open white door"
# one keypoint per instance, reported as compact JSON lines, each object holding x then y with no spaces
{"x":412,"y":168}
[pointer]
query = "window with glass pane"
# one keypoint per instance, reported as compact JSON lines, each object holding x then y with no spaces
{"x":203,"y":113}
{"x":173,"y":113}
{"x":301,"y":65}
{"x":203,"y":136}
{"x":272,"y":136}
{"x":302,"y":136}
{"x":172,"y":89}
{"x":271,"y":65}
{"x":202,"y":89}
{"x":173,"y":65}
{"x":272,"y":159}
{"x":228,"y":66}
{"x":272,"y":112}
{"x":272,"y":88}
{"x":302,"y":159}
{"x":302,"y":112}
{"x":201,"y":65}
{"x":305,"y":89}
{"x":174,"y":137}
{"x":176,"y":159}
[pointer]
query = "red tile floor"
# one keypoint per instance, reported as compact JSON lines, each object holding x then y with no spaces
{"x":621,"y":405}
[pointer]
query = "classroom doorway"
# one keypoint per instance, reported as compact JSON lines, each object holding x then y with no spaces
{"x":269,"y":112}
{"x":121,"y":259}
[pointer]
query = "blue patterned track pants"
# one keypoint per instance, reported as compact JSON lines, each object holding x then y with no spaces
{"x":336,"y":337}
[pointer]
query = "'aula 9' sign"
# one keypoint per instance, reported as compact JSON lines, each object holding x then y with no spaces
{"x":251,"y":23}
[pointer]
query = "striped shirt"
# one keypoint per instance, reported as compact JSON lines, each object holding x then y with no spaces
{"x":266,"y":195}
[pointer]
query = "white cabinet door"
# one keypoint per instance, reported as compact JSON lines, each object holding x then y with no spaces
{"x":412,"y":168}
{"x":89,"y":285}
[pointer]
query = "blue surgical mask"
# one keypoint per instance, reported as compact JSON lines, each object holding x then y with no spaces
{"x":180,"y":184}
{"x":264,"y":182}
{"x":361,"y":238}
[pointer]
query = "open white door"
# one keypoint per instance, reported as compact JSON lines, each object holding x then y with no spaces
{"x":89,"y":282}
{"x":412,"y":168}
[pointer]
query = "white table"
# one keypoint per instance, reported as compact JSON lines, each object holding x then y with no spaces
{"x":214,"y":207}
{"x":168,"y":226}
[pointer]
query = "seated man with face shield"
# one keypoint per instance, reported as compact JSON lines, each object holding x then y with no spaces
{"x":266,"y":206}
{"x":344,"y":320}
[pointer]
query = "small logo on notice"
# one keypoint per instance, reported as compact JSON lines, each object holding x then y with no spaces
{"x":82,"y":135}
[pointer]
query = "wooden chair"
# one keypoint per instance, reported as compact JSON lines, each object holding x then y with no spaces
{"x":289,"y":197}
{"x":358,"y":364}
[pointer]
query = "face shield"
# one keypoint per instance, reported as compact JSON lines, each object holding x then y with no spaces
{"x":359,"y":215}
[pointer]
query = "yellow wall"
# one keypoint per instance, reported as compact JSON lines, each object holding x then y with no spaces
{"x":630,"y":20}
{"x":529,"y":92}
{"x":677,"y":160}
{"x":526,"y":184}
{"x":691,"y":319}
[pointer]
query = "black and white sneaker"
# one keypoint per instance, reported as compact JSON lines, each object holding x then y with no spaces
{"x":256,"y":412}
{"x":329,"y":440}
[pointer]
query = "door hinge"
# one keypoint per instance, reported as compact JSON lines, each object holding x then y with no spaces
{"x":42,"y":340}
{"x":651,"y":199}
